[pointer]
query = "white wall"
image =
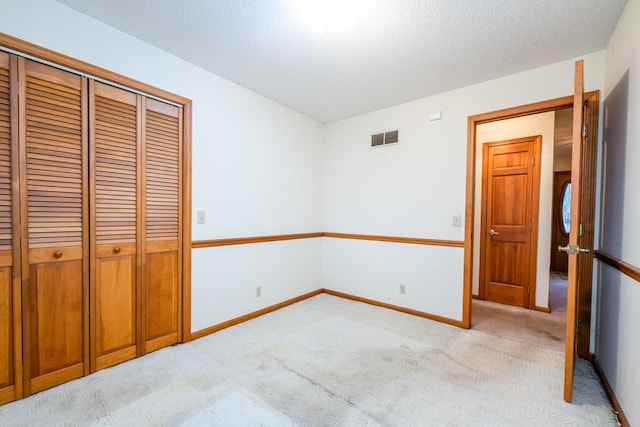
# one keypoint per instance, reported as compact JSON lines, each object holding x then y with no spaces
{"x":283,"y":270}
{"x":537,"y":124}
{"x":617,"y":344}
{"x":257,"y":165}
{"x":414,"y":188}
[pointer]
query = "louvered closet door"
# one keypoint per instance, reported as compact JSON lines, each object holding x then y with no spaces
{"x":163,"y":224}
{"x":10,"y":344}
{"x":115,"y":136}
{"x":55,"y":224}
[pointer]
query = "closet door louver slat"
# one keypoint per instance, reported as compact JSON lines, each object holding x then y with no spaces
{"x":162,"y":207}
{"x":55,"y":284}
{"x":115,"y":136}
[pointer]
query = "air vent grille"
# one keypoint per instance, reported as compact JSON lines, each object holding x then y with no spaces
{"x":387,"y":138}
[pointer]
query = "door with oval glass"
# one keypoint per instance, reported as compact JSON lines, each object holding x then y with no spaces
{"x":561,"y":220}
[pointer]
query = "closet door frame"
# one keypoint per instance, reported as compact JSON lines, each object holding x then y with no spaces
{"x":14,"y":391}
{"x":40,"y":53}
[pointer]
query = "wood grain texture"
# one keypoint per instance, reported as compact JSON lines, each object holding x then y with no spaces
{"x":510,"y":192}
{"x":280,"y":237}
{"x":56,"y":317}
{"x":6,"y":228}
{"x":469,"y":218}
{"x":162,"y":205}
{"x":54,"y":150}
{"x":576,"y":188}
{"x":248,"y":240}
{"x":114,"y":328}
{"x":114,"y":141}
{"x":54,"y":212}
{"x":17,"y":228}
{"x":186,"y":222}
{"x":6,"y":328}
{"x":588,"y":168}
{"x":622,"y":266}
{"x":161,"y":297}
{"x":10,"y":313}
{"x":394,"y":239}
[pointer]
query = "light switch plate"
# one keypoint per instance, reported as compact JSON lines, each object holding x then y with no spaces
{"x":202,"y":217}
{"x":457,"y":220}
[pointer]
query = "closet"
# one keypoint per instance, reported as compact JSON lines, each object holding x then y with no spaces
{"x":90,"y":225}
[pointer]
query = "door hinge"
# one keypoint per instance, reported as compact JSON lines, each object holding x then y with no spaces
{"x":581,"y":230}
{"x":530,"y":225}
{"x":533,"y":160}
{"x":577,"y":327}
{"x":528,"y":290}
{"x":585,"y":131}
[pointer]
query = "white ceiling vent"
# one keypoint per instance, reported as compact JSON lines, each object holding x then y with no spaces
{"x":387,"y":138}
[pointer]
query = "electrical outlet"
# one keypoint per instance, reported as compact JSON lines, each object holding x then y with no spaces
{"x":403,"y":289}
{"x":258,"y":291}
{"x":202,"y":217}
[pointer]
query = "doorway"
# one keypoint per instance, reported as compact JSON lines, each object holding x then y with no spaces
{"x":560,"y":221}
{"x":473,"y":183}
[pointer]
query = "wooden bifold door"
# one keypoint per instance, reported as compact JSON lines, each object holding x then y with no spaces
{"x":52,"y":141}
{"x":90,"y":226}
{"x":10,"y":304}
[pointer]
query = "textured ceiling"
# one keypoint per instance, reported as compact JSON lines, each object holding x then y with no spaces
{"x":399,"y":50}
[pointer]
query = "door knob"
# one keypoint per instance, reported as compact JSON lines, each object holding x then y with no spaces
{"x":57,"y":254}
{"x":572,"y":250}
{"x":116,"y":250}
{"x":493,"y":232}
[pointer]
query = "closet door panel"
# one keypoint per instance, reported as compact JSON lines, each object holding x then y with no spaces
{"x":162,"y":300}
{"x":9,"y":282}
{"x":115,"y":294}
{"x":115,"y":155}
{"x":7,"y":378}
{"x":163,"y":224}
{"x":54,"y":217}
{"x":55,"y":318}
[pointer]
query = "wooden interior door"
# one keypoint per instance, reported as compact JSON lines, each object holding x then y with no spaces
{"x":115,"y":140}
{"x":54,"y":217}
{"x":162,"y":274}
{"x":559,"y":235}
{"x":573,"y":249}
{"x":10,"y":312}
{"x":510,"y":205}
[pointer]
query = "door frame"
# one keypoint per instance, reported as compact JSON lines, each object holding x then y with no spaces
{"x":535,"y":203}
{"x":584,"y":292}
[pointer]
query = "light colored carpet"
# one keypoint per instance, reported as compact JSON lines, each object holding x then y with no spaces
{"x":521,"y":324}
{"x":327,"y":361}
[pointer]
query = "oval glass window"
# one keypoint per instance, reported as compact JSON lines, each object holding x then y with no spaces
{"x":565,"y":212}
